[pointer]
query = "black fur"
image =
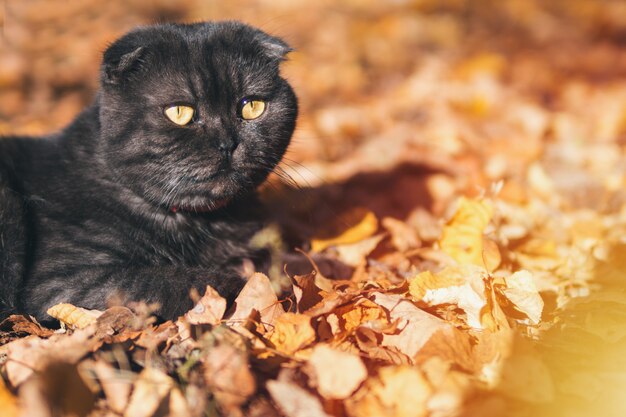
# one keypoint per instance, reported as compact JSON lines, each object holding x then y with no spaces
{"x":86,"y":214}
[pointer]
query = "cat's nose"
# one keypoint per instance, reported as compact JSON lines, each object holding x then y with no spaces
{"x":227,"y":148}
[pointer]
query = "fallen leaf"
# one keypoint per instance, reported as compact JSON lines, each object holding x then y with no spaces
{"x":521,"y":291}
{"x":415,"y":326}
{"x":292,"y":332}
{"x":115,"y":384}
{"x":306,"y":291}
{"x":295,"y":401}
{"x":354,"y":254}
{"x":24,"y":356}
{"x":150,"y":389}
{"x":462,"y":285}
{"x":462,"y":236}
{"x":72,"y":316}
{"x":257,"y":295}
{"x":209,"y":309}
{"x":397,"y":391}
{"x":227,"y":374}
{"x":22,"y":324}
{"x":361,"y":223}
{"x":403,"y":237}
{"x":334,"y":373}
{"x":362,"y":311}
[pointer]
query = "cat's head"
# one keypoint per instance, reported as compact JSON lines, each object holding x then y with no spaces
{"x":194,"y":115}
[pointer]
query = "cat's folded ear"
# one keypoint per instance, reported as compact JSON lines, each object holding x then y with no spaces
{"x":121,"y":62}
{"x":273,"y":47}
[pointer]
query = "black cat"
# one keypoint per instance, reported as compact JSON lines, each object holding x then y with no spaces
{"x":151,"y":190}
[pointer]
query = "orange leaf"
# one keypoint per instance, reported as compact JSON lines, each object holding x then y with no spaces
{"x":292,"y":332}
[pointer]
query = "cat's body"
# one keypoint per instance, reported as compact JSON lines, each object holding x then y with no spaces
{"x":126,"y":203}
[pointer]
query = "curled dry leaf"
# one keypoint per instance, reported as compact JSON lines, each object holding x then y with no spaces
{"x":257,"y":295}
{"x":462,"y":285}
{"x":334,"y":373}
{"x":209,"y":309}
{"x":295,"y":401}
{"x":73,"y":316}
{"x":292,"y":332}
{"x":361,"y":222}
{"x":22,"y":324}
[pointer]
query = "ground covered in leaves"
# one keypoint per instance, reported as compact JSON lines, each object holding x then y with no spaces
{"x":457,"y":181}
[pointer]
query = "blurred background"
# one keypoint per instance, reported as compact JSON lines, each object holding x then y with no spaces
{"x":405,"y":104}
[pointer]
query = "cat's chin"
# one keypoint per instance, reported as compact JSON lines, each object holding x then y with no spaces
{"x":206,"y":207}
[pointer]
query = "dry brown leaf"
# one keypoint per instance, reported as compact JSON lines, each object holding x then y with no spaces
{"x":334,"y":373}
{"x":369,"y":341}
{"x":295,"y":401}
{"x":292,"y":332}
{"x":362,"y":224}
{"x":209,"y":309}
{"x":257,"y":295}
{"x":227,"y":373}
{"x":72,"y":316}
{"x":521,"y":291}
{"x":22,"y":324}
{"x":398,"y":391}
{"x":24,"y":356}
{"x":306,"y":291}
{"x":462,"y":237}
{"x":415,"y":326}
{"x":150,"y":389}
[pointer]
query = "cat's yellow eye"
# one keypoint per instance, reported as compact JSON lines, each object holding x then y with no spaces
{"x":181,"y":115}
{"x":252,"y":109}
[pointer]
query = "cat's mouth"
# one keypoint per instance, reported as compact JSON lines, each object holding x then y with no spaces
{"x":199,"y":208}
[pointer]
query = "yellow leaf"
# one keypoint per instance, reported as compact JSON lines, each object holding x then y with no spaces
{"x":462,"y":237}
{"x":336,"y":374}
{"x":73,"y":316}
{"x":8,"y":403}
{"x":292,"y":332}
{"x":355,"y":225}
